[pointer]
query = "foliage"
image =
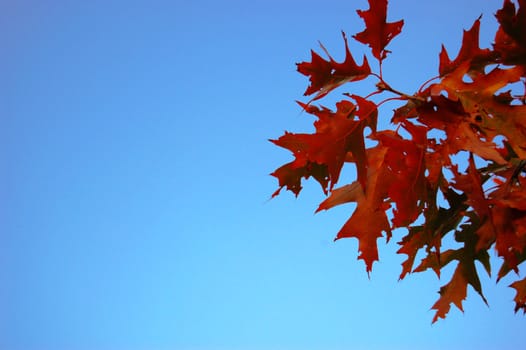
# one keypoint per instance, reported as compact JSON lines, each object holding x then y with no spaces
{"x":407,"y":177}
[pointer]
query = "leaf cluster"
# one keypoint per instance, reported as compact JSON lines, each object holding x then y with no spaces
{"x":409,"y":178}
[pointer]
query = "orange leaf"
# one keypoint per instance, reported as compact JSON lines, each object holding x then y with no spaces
{"x":345,"y":194}
{"x":367,"y":224}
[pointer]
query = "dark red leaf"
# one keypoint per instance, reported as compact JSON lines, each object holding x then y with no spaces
{"x":513,"y":23}
{"x":510,"y":39}
{"x":452,"y":293}
{"x":326,"y":76}
{"x":290,"y":175}
{"x":520,"y":297}
{"x":378,"y":33}
{"x":369,"y":220}
{"x":469,"y":52}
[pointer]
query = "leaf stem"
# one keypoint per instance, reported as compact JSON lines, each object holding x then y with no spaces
{"x":427,"y":82}
{"x":383,"y":86}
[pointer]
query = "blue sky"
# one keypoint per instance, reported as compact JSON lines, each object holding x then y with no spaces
{"x":135,"y":186}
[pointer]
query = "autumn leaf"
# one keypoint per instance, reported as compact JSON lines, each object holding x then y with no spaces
{"x":311,"y":149}
{"x":463,"y":134}
{"x":513,"y":23}
{"x":337,"y":135}
{"x":520,"y":297}
{"x":489,"y":116}
{"x":378,"y":33}
{"x":368,"y":222}
{"x":436,"y":260}
{"x":509,"y":218}
{"x":405,"y":163}
{"x":367,"y":113}
{"x":345,"y":194}
{"x":455,"y":291}
{"x":470,"y":52}
{"x":484,"y":85}
{"x":452,"y":293}
{"x":471,"y":184}
{"x":417,"y":238}
{"x":510,"y":40}
{"x":290,"y":175}
{"x":326,"y":76}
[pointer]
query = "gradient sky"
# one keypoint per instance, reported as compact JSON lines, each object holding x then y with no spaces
{"x":135,"y":190}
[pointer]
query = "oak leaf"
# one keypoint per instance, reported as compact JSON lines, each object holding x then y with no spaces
{"x":368,"y":222}
{"x":452,"y":293}
{"x":345,"y":194}
{"x":513,"y":23}
{"x":378,"y":33}
{"x":405,"y":163}
{"x":326,"y":76}
{"x":465,"y":273}
{"x":520,"y":297}
{"x":470,"y":52}
{"x":290,"y":175}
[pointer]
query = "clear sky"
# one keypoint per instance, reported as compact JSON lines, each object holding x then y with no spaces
{"x":134,"y":189}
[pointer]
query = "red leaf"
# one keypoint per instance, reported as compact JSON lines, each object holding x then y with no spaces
{"x":471,"y":184}
{"x":477,"y":99}
{"x":451,"y":117}
{"x":289,"y":175}
{"x":326,"y":76}
{"x":512,"y":23}
{"x":469,"y":52}
{"x":452,"y":293}
{"x":378,"y":33}
{"x":520,"y":297}
{"x":337,"y":134}
{"x":345,"y":194}
{"x":466,"y":273}
{"x":367,"y":224}
{"x":369,"y":219}
{"x":367,"y":113}
{"x":508,"y":209}
{"x":415,"y":240}
{"x":455,"y":291}
{"x":510,"y":39}
{"x":405,"y":161}
{"x":484,"y":85}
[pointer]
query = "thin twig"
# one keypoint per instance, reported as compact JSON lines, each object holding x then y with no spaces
{"x":383,"y":86}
